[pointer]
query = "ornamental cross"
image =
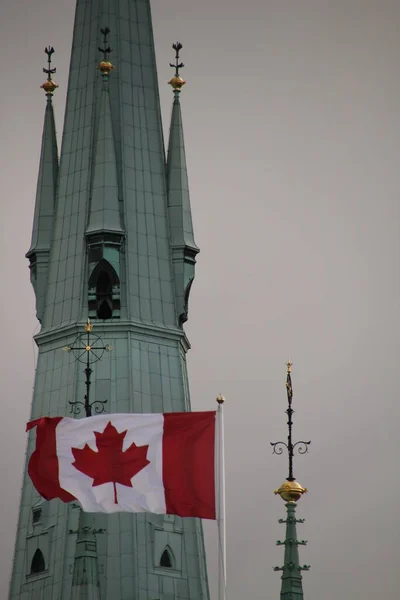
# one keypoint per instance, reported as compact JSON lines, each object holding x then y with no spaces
{"x":106,"y":50}
{"x":178,"y":65}
{"x":49,"y":71}
{"x":88,"y":346}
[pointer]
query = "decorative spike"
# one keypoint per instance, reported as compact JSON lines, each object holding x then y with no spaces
{"x":182,"y":242}
{"x":105,"y":66}
{"x":291,"y":491}
{"x":177,"y":82}
{"x":49,"y":86}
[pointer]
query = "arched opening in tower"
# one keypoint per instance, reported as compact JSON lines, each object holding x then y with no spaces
{"x":104,"y":302}
{"x":38,"y":565}
{"x":166,"y":560}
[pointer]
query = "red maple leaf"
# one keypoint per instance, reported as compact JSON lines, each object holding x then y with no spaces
{"x":110,"y":464}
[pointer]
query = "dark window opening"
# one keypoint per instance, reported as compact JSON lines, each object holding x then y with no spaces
{"x":38,"y":564}
{"x":104,"y":300}
{"x":104,"y":296}
{"x":37,"y":515}
{"x":165,"y":560}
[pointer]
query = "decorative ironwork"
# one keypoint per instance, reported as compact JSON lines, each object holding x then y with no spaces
{"x":105,"y":67}
{"x":291,"y":567}
{"x":302,"y":446}
{"x":178,"y":65}
{"x":107,"y":49}
{"x":177,"y":82}
{"x":49,"y":86}
{"x":85,"y":346}
{"x":291,"y":542}
{"x":87,"y":529}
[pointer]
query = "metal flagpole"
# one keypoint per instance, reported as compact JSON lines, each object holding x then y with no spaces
{"x":221,"y":517}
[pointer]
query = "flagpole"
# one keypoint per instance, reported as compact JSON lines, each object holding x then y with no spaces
{"x":221,"y":516}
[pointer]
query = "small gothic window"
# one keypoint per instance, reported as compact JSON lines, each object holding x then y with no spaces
{"x":165,"y":560}
{"x":104,"y":301}
{"x":38,"y":564}
{"x":36,"y":515}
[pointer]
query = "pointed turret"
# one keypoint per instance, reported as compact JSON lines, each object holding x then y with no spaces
{"x":182,"y":242}
{"x":85,"y":581}
{"x":104,"y":231}
{"x":39,"y":250}
{"x":104,"y":211}
{"x":291,"y":491}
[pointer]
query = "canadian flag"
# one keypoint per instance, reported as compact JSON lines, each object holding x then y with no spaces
{"x":160,"y":463}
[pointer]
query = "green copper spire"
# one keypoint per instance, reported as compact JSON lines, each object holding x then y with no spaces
{"x":85,"y":581}
{"x":291,"y":491}
{"x":183,"y":246}
{"x":121,"y":253}
{"x":39,"y":250}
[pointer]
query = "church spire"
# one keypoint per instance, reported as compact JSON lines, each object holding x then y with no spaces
{"x":291,"y":491}
{"x":182,"y":242}
{"x":39,"y":250}
{"x":104,"y":212}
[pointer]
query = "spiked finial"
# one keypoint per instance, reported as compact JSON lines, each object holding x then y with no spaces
{"x":290,"y":490}
{"x":49,"y":86}
{"x":177,"y":82}
{"x":105,"y":66}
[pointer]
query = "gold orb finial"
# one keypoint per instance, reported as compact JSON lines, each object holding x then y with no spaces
{"x":291,"y":491}
{"x":220,"y":399}
{"x":177,"y":83}
{"x":49,"y":86}
{"x":289,"y":365}
{"x":105,"y":67}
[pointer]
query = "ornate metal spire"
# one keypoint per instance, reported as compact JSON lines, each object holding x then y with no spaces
{"x":291,"y":491}
{"x":105,"y":66}
{"x":49,"y":86}
{"x":301,"y":445}
{"x":177,"y":82}
{"x":88,"y":348}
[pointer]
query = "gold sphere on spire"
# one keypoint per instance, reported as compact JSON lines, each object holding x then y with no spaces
{"x":291,"y":491}
{"x":105,"y":67}
{"x":49,"y":86}
{"x":177,"y":83}
{"x":220,"y":399}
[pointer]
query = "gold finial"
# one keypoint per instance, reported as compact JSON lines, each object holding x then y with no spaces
{"x":105,"y":66}
{"x":291,"y":491}
{"x":177,"y":82}
{"x":49,"y":86}
{"x":220,"y":399}
{"x":88,"y":326}
{"x":289,"y":366}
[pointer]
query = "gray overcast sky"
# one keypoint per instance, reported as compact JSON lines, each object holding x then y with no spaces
{"x":292,"y":128}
